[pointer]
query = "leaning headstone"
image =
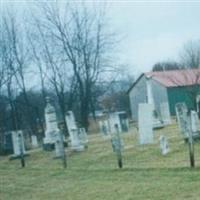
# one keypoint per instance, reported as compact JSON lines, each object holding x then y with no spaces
{"x":165,"y":115}
{"x":51,"y":126}
{"x":34,"y":141}
{"x":182,"y":118}
{"x":113,"y":121}
{"x":83,"y":137}
{"x":146,"y":123}
{"x":195,"y":125}
{"x":164,"y":146}
{"x":117,"y":145}
{"x":18,"y":142}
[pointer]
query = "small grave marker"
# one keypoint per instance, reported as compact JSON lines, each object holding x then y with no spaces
{"x":164,"y":146}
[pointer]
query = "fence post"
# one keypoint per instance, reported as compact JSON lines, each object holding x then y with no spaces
{"x":21,"y":150}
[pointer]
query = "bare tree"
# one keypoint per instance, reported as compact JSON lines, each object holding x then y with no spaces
{"x":83,"y":42}
{"x":190,"y":55}
{"x":165,"y":66}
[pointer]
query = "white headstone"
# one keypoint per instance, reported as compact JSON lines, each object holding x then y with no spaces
{"x":164,"y":110}
{"x":114,"y":120}
{"x":18,"y":142}
{"x":195,"y":126}
{"x":51,"y":123}
{"x":73,"y":132}
{"x":145,"y":123}
{"x":164,"y":146}
{"x":34,"y":141}
{"x":83,"y":136}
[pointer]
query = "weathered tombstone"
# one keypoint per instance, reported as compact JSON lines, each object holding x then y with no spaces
{"x":104,"y":129}
{"x":117,"y":145}
{"x":73,"y":132}
{"x":185,"y":125}
{"x":113,"y":121}
{"x":182,"y":118}
{"x":18,"y":142}
{"x":51,"y":126}
{"x":145,"y":123}
{"x":18,"y":146}
{"x":34,"y":141}
{"x":83,"y":137}
{"x":164,"y":146}
{"x":75,"y":142}
{"x":164,"y":110}
{"x":195,"y":126}
{"x":60,"y":149}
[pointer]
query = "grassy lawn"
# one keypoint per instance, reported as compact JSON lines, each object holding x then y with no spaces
{"x":94,"y":175}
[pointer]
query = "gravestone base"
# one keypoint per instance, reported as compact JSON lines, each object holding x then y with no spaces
{"x":196,"y":137}
{"x":48,"y":146}
{"x":78,"y":148}
{"x":14,"y":157}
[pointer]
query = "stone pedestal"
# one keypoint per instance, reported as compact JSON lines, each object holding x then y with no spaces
{"x":51,"y":126}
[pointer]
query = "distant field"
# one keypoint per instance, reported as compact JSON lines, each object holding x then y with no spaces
{"x":94,"y":175}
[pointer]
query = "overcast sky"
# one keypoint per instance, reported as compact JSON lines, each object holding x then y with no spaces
{"x":152,"y":31}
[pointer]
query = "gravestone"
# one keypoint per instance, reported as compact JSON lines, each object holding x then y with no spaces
{"x":34,"y":141}
{"x":73,"y":132}
{"x":59,"y":145}
{"x":104,"y":128}
{"x":164,"y":110}
{"x":117,"y":145}
{"x":51,"y":126}
{"x":83,"y":137}
{"x":195,"y":126}
{"x":124,"y":122}
{"x":182,"y":118}
{"x":113,"y":121}
{"x":164,"y":146}
{"x":145,"y":123}
{"x":18,"y":142}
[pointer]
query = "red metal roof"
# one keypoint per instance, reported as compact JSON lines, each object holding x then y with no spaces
{"x":175,"y":78}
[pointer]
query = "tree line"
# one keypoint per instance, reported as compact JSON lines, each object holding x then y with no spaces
{"x":62,"y":51}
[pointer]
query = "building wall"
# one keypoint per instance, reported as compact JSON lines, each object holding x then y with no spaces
{"x":159,"y":94}
{"x":181,"y":94}
{"x":138,"y":94}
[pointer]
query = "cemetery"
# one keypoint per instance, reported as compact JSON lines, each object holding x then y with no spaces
{"x":150,"y":166}
{"x":96,"y":102}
